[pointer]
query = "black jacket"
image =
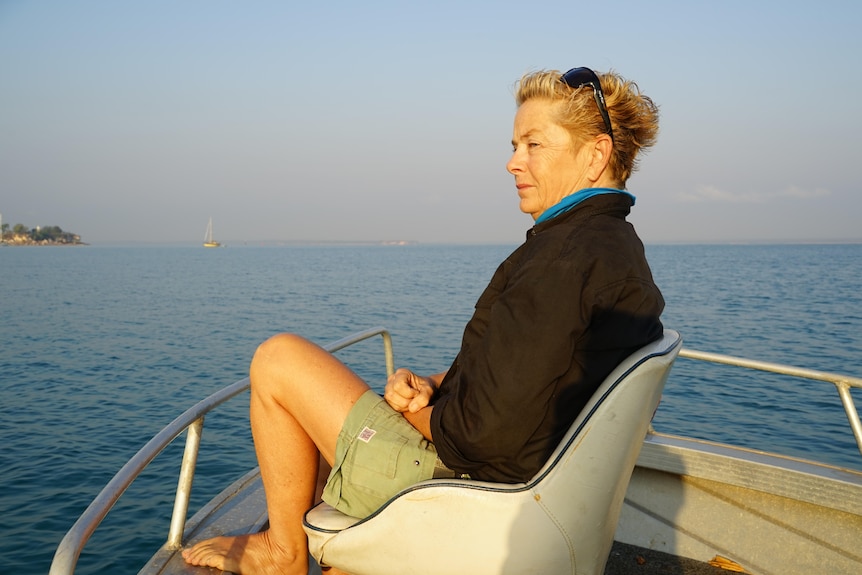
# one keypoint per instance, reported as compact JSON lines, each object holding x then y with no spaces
{"x":559,"y":314}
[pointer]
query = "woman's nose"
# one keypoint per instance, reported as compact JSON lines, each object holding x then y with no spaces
{"x":514,"y":164}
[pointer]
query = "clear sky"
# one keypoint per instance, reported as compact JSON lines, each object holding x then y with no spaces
{"x":381,"y":119}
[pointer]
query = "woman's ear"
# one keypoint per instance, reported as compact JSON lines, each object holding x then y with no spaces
{"x":600,"y":157}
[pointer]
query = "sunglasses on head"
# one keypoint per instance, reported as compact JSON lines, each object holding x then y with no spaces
{"x":578,"y":78}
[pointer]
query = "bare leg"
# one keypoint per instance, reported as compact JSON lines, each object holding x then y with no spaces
{"x":300,"y":397}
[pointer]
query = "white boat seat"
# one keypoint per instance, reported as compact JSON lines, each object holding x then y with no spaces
{"x":561,"y":521}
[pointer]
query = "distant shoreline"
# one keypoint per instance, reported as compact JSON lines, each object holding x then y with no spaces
{"x":398,"y":243}
{"x":40,"y":243}
{"x":20,"y":235}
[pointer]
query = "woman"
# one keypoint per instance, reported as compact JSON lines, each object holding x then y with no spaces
{"x":559,"y":314}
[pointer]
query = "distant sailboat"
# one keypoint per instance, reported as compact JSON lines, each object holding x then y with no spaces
{"x":209,"y":242}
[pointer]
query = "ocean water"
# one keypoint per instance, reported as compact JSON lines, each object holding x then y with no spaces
{"x":100,"y":347}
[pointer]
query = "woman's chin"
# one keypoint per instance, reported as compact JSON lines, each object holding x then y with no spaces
{"x":527,"y":209}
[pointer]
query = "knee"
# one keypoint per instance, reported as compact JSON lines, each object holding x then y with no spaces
{"x":278,"y":346}
{"x":273,"y":358}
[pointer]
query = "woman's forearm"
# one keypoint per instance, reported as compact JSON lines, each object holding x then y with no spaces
{"x":421,"y":420}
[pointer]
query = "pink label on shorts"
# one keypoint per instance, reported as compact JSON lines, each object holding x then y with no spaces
{"x":366,"y":434}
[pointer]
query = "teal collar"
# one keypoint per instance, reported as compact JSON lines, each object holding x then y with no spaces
{"x":573,"y":200}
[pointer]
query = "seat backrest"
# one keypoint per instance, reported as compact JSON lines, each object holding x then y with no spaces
{"x":561,"y":521}
{"x":641,"y":372}
{"x":584,"y":482}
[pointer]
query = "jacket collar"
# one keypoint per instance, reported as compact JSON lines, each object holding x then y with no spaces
{"x":618,"y":205}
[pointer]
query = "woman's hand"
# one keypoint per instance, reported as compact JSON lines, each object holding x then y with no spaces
{"x":406,"y":391}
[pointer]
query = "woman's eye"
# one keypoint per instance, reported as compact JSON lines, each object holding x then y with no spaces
{"x":528,"y":145}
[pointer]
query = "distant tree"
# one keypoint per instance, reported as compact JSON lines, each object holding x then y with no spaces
{"x":3,"y":229}
{"x":47,"y":234}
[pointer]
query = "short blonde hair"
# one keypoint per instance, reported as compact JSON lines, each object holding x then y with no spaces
{"x":634,"y":116}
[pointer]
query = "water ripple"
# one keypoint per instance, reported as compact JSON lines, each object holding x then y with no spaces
{"x":104,"y":346}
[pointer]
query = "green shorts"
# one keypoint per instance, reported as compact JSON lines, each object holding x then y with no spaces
{"x":378,"y":454}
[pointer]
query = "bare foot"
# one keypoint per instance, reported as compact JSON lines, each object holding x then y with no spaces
{"x":253,"y":554}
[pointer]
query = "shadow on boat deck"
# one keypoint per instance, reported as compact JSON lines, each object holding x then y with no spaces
{"x":631,"y":560}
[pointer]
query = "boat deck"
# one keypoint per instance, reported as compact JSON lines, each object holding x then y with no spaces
{"x":244,"y":503}
{"x":631,"y":560}
{"x":624,"y":560}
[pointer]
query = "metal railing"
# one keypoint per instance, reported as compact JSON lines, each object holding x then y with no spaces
{"x":66,"y":556}
{"x":70,"y":547}
{"x":842,"y":383}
